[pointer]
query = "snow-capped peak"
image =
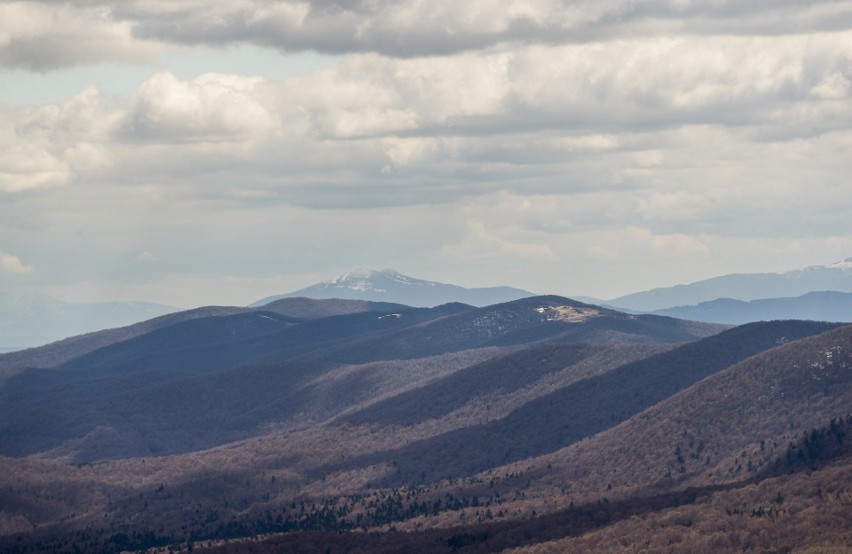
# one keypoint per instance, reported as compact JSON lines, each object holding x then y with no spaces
{"x":354,"y":275}
{"x":368,"y":279}
{"x":843,"y":264}
{"x":389,"y":285}
{"x":362,"y":280}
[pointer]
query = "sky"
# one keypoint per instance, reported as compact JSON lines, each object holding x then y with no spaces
{"x":194,"y":152}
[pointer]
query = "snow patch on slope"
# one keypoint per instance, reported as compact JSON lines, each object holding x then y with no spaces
{"x":570,"y":314}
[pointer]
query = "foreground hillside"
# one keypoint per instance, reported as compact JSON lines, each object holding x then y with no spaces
{"x":519,"y":425}
{"x":745,"y":460}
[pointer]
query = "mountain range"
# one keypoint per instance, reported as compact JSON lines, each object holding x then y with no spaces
{"x":252,"y":369}
{"x":391,"y":286}
{"x":747,"y":286}
{"x":32,"y":319}
{"x":817,"y":306}
{"x":541,"y":424}
{"x":815,"y":293}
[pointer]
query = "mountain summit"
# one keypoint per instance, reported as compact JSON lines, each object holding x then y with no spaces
{"x":389,"y":285}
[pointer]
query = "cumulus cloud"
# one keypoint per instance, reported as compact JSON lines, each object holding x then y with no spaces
{"x":13,"y":265}
{"x":549,"y":132}
{"x":46,"y":146}
{"x":542,"y":119}
{"x":24,"y":167}
{"x":210,"y":107}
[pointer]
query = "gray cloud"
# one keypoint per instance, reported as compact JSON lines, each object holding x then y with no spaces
{"x":42,"y":36}
{"x":617,"y":116}
{"x":87,"y":31}
{"x":408,"y":28}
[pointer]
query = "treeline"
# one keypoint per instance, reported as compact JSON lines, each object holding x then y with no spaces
{"x":305,"y":526}
{"x":816,"y":447}
{"x":473,"y":538}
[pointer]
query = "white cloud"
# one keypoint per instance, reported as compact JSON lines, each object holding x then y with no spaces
{"x":10,"y":264}
{"x":659,"y":114}
{"x":46,"y":146}
{"x":210,"y":107}
{"x":539,"y":134}
{"x":26,"y":167}
{"x":85,"y":117}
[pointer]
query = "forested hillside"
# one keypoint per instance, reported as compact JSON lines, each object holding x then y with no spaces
{"x":541,"y":423}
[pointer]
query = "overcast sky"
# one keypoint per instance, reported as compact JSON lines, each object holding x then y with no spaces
{"x":198,"y":151}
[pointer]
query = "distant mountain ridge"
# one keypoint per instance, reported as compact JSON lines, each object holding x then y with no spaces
{"x":815,"y":306}
{"x":743,"y":286}
{"x":32,"y":319}
{"x":389,"y":285}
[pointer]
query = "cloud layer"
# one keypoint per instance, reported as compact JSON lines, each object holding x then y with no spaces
{"x":566,"y":136}
{"x":85,"y":30}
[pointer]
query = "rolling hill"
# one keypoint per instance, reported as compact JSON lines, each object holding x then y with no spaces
{"x":205,"y":381}
{"x":540,"y":423}
{"x":59,"y":352}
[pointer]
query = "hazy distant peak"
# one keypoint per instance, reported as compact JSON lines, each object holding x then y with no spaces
{"x":405,"y":279}
{"x":356,"y":274}
{"x":370,"y":280}
{"x":389,"y":285}
{"x":835,"y":276}
{"x":371,"y":274}
{"x":356,"y":280}
{"x":845,"y":265}
{"x":32,"y":319}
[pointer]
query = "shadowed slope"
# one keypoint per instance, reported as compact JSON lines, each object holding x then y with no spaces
{"x":60,"y":352}
{"x":584,"y":408}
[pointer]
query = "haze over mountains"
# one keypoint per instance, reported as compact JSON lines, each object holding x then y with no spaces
{"x":747,"y":286}
{"x":810,"y":293}
{"x":28,"y":320}
{"x":388,"y":285}
{"x":31,"y":319}
{"x":816,"y":306}
{"x":536,"y":423}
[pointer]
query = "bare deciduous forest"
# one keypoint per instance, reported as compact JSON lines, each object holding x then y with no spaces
{"x":513,"y":427}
